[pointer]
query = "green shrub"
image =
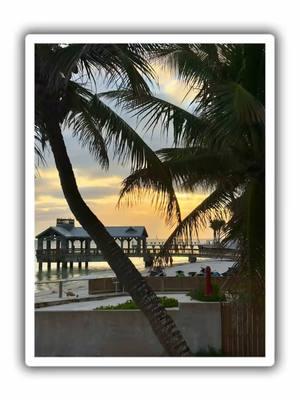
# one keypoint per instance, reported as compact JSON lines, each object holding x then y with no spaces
{"x":166,"y":302}
{"x":128,"y":305}
{"x":198,"y":294}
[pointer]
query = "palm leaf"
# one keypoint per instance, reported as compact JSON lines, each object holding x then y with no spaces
{"x":155,"y":186}
{"x":155,"y":112}
{"x":98,"y":126}
{"x":213,"y":207}
{"x":195,"y":167}
{"x":122,"y":64}
{"x":90,"y":116}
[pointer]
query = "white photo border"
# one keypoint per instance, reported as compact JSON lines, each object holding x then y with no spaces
{"x":30,"y":358}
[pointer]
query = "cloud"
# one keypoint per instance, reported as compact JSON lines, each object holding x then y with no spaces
{"x":172,"y":89}
{"x":101,"y":194}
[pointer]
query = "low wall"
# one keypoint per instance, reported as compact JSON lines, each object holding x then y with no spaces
{"x":160,"y":283}
{"x":122,"y":333}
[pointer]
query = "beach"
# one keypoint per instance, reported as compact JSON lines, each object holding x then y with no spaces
{"x":76,"y":281}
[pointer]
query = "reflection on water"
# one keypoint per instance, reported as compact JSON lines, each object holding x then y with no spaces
{"x":100,"y":268}
{"x":63,"y":273}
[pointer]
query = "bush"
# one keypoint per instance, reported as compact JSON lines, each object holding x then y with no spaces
{"x":167,"y":302}
{"x":198,"y":294}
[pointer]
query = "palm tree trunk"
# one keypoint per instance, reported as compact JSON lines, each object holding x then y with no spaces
{"x":161,"y":323}
{"x":218,"y":235}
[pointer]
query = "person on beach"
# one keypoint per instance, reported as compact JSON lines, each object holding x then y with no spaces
{"x":160,"y":263}
{"x":167,"y":260}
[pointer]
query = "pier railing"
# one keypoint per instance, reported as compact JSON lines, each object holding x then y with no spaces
{"x":94,"y":254}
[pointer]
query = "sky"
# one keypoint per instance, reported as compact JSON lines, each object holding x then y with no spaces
{"x":100,"y":189}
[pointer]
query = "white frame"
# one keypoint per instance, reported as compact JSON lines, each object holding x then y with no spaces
{"x":269,"y":358}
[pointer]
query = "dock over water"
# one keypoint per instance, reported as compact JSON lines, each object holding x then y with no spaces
{"x":66,"y":244}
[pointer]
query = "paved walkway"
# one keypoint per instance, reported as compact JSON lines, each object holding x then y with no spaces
{"x":110,"y":299}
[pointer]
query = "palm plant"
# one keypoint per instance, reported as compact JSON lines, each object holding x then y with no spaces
{"x":217,"y":225}
{"x":61,"y":100}
{"x":219,"y":143}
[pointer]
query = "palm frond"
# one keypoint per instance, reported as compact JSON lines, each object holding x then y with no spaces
{"x":155,"y":112}
{"x":39,"y":153}
{"x":156,"y":187}
{"x":215,"y":206}
{"x":40,"y":145}
{"x":193,"y":63}
{"x":195,"y":167}
{"x":123,"y":64}
{"x":98,"y":126}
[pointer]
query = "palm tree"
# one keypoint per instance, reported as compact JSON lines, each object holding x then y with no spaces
{"x":61,"y":100}
{"x":217,"y":225}
{"x":219,"y":143}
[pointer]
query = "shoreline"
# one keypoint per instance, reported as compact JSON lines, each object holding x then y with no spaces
{"x":48,"y":290}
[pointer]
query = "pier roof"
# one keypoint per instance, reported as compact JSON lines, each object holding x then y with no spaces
{"x":72,"y":232}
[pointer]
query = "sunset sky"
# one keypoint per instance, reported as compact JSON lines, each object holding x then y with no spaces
{"x":100,"y":189}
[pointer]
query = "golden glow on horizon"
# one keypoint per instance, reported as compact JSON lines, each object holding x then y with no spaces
{"x":83,"y":180}
{"x":53,"y":205}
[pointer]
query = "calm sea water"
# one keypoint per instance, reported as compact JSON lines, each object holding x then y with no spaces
{"x":96,"y":269}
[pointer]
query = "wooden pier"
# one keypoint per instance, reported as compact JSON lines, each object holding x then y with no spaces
{"x":66,"y":244}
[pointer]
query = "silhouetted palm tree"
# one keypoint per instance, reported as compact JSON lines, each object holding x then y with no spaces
{"x":219,"y":143}
{"x":216,"y":225}
{"x":61,"y":100}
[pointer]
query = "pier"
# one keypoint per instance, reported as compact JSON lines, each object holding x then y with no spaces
{"x":65,"y":245}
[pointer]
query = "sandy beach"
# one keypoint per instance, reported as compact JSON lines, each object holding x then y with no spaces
{"x":47,"y":290}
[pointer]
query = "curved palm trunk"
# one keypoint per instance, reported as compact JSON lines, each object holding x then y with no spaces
{"x":161,"y":323}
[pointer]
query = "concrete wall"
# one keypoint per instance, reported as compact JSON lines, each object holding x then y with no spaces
{"x":122,"y":333}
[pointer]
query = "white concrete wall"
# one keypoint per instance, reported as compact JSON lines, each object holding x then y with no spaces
{"x":122,"y":333}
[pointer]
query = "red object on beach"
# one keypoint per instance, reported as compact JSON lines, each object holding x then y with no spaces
{"x":208,"y":290}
